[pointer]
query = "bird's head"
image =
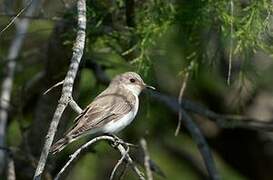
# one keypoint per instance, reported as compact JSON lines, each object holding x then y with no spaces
{"x":131,"y":81}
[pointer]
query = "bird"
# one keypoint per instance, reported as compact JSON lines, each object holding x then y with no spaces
{"x":109,"y":113}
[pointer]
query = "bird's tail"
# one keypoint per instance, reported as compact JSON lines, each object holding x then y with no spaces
{"x":59,"y":145}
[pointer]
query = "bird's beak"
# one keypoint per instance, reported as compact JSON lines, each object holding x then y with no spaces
{"x":149,"y":87}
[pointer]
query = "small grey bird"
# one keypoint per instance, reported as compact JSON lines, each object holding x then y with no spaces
{"x":110,"y":112}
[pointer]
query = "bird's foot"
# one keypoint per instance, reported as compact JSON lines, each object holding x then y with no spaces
{"x":118,"y":141}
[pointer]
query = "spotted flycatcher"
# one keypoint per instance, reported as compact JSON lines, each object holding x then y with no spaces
{"x":110,"y":111}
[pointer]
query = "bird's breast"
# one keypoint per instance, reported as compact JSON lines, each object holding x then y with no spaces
{"x":118,"y":125}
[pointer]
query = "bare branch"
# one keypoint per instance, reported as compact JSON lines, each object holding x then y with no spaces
{"x":182,"y":90}
{"x":14,"y":18}
{"x":112,"y":139}
{"x":67,"y":86}
{"x":11,"y":169}
{"x":143,"y":144}
{"x":39,"y":17}
{"x":230,"y":56}
{"x":119,"y":163}
{"x":54,"y":86}
{"x":6,"y":86}
{"x":75,"y":106}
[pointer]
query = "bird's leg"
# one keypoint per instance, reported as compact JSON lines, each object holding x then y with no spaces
{"x":118,"y":141}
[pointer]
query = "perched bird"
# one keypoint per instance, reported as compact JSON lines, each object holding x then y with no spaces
{"x":109,"y":112}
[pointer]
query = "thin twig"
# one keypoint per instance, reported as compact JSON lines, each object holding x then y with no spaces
{"x":46,"y":18}
{"x":231,"y":42}
{"x":54,"y":86}
{"x":143,"y":144}
{"x":119,"y":163}
{"x":14,"y":18}
{"x":182,"y":90}
{"x":122,"y":171}
{"x":67,"y":87}
{"x":112,"y":139}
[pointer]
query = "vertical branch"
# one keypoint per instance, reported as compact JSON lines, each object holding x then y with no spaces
{"x":6,"y":86}
{"x":143,"y":144}
{"x":11,"y":169}
{"x":231,"y":42}
{"x":182,"y":90}
{"x":67,"y":87}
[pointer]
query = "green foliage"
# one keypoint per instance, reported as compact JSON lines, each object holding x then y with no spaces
{"x":154,"y":18}
{"x":251,"y":24}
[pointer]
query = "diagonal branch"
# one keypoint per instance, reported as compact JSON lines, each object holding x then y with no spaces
{"x":111,"y":139}
{"x":201,"y":143}
{"x":67,"y":87}
{"x":13,"y":20}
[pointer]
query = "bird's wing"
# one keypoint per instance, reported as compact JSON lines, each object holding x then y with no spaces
{"x":105,"y":108}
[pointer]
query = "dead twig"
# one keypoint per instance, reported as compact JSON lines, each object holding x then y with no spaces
{"x":46,"y":18}
{"x":14,"y":18}
{"x":54,"y":86}
{"x":111,"y":139}
{"x":143,"y":144}
{"x":182,"y":90}
{"x":120,"y":161}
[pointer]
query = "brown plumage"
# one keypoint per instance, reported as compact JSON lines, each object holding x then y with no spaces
{"x":110,"y":106}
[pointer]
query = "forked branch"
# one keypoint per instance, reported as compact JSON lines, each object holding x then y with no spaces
{"x":113,"y":140}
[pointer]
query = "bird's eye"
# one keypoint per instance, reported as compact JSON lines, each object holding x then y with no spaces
{"x":132,"y":80}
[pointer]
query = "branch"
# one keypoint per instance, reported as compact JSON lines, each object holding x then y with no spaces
{"x":6,"y":86}
{"x":119,"y":163}
{"x":52,"y":87}
{"x":111,"y":139}
{"x":67,"y":87}
{"x":222,"y":120}
{"x":182,"y":90}
{"x":75,"y":106}
{"x":201,"y":143}
{"x":147,"y":159}
{"x":11,"y":169}
{"x":14,"y":18}
{"x":46,"y":18}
